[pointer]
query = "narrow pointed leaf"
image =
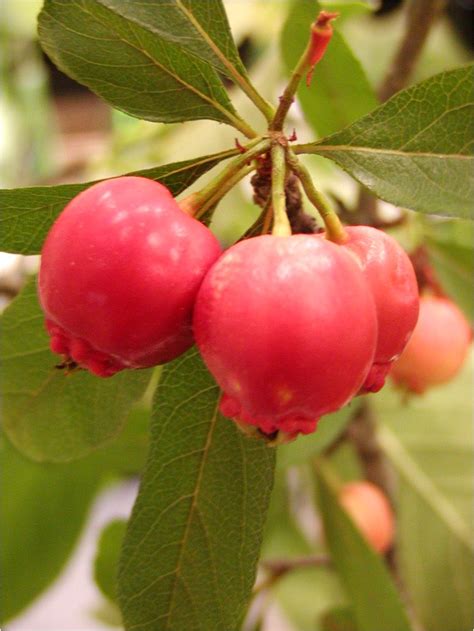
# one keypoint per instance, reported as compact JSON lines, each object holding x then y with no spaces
{"x":415,"y":150}
{"x":340,"y":92}
{"x":375,"y":601}
{"x":129,"y":65}
{"x":429,"y":441}
{"x":192,"y":545}
{"x":47,"y":415}
{"x":28,"y":213}
{"x":199,"y":27}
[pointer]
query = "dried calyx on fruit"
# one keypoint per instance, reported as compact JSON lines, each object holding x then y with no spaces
{"x":438,"y":347}
{"x":391,"y":278}
{"x":287,"y":326}
{"x":119,"y":274}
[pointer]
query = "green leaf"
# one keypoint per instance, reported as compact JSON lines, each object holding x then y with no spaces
{"x":339,"y":619}
{"x":415,"y":150}
{"x":107,"y":557}
{"x":28,"y":213}
{"x":304,"y":594}
{"x":306,"y":447}
{"x":283,"y":536}
{"x":200,"y":28}
{"x":450,"y":245}
{"x":35,"y":498}
{"x":374,"y":599}
{"x":131,"y":65}
{"x":348,"y":8}
{"x":126,"y":455}
{"x":49,"y":415}
{"x":43,"y":508}
{"x":340,"y":92}
{"x":191,"y":548}
{"x":430,"y":443}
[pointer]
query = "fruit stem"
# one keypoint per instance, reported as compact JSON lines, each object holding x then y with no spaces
{"x":281,"y":223}
{"x":287,"y":97}
{"x":197,"y":203}
{"x":225,"y":187}
{"x":334,"y":228}
{"x":320,"y":35}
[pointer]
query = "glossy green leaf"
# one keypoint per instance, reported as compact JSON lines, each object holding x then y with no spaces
{"x":306,"y":447}
{"x":340,"y":92}
{"x":191,"y":549}
{"x":107,"y":557}
{"x":49,"y":415}
{"x":374,"y":599}
{"x":28,"y":213}
{"x":416,"y":149}
{"x":200,"y":28}
{"x":430,"y":442}
{"x":130,"y":65}
{"x":43,"y":508}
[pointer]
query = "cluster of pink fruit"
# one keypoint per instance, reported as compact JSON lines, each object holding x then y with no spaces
{"x":291,"y":327}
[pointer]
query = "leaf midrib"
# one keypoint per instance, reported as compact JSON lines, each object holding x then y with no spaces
{"x":235,"y":74}
{"x":377,"y":151}
{"x":192,"y":510}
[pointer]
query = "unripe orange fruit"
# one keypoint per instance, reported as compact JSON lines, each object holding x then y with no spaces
{"x":438,"y":347}
{"x":370,"y":511}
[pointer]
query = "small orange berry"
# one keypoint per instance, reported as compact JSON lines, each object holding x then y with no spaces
{"x":371,"y":512}
{"x":438,"y":347}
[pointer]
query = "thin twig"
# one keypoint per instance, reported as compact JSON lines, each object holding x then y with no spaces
{"x":421,"y":15}
{"x":279,"y":567}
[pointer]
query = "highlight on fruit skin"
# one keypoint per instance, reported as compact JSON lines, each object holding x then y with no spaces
{"x":438,"y":347}
{"x":287,"y":327}
{"x":120,"y":270}
{"x":371,"y":512}
{"x":392,"y":281}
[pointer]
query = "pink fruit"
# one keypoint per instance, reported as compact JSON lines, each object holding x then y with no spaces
{"x":371,"y":512}
{"x":287,"y":326}
{"x":120,"y":271}
{"x":392,"y":281}
{"x":438,"y":347}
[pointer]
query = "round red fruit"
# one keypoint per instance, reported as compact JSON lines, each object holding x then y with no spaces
{"x":438,"y":347}
{"x":287,"y":326}
{"x":120,"y":270}
{"x":371,"y":512}
{"x":392,"y":281}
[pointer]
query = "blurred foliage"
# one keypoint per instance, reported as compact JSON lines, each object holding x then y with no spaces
{"x":427,"y":439}
{"x":107,"y":557}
